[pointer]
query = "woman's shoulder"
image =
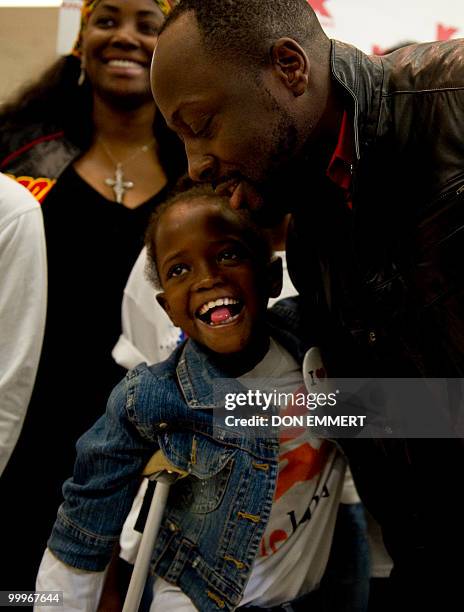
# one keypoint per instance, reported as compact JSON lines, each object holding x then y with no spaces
{"x":16,"y":137}
{"x":37,"y":150}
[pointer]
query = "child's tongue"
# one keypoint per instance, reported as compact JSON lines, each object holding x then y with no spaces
{"x":220,"y":314}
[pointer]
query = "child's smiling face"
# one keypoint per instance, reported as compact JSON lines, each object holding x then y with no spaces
{"x":215,"y":286}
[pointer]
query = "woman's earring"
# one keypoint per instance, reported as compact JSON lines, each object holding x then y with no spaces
{"x":81,"y":79}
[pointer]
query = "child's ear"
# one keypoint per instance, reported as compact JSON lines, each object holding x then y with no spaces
{"x":162,"y":301}
{"x":275,"y":276}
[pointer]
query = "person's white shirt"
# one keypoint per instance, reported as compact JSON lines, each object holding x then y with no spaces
{"x":147,"y":332}
{"x":23,"y":302}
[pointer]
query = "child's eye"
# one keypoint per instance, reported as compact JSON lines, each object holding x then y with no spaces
{"x":177,"y":270}
{"x":231,"y":255}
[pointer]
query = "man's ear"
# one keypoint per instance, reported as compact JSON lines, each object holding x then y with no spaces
{"x":162,"y":301}
{"x":292,"y":64}
{"x":275,"y":275}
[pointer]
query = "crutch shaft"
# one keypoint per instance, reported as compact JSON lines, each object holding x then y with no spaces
{"x":142,"y":564}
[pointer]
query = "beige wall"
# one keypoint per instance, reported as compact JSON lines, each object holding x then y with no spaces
{"x":27,"y":45}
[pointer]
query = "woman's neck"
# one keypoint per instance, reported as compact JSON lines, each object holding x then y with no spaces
{"x":128,"y":128}
{"x":122,"y":162}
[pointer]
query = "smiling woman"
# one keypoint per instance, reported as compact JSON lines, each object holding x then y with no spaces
{"x":87,"y":140}
{"x":120,"y":70}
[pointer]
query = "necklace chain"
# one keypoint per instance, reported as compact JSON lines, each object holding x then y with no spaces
{"x":142,"y":149}
{"x":118,"y":184}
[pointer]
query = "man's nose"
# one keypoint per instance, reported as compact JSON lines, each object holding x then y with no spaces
{"x":201,"y":167}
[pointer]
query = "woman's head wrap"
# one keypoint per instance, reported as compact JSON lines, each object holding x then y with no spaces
{"x":89,"y":6}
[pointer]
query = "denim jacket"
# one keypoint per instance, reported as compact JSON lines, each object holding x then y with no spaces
{"x":215,"y":518}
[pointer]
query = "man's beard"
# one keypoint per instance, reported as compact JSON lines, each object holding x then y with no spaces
{"x":281,"y":189}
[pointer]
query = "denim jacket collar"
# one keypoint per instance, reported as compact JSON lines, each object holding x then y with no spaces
{"x":203,"y":385}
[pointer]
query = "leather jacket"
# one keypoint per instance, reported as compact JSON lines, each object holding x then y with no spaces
{"x":385,"y":282}
{"x":393,"y":266}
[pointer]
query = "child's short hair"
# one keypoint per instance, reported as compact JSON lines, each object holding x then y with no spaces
{"x":256,"y":238}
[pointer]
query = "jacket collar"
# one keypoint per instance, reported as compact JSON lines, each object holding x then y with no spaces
{"x":203,"y":384}
{"x":361,"y":76}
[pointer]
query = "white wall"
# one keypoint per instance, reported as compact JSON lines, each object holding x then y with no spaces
{"x":374,"y":25}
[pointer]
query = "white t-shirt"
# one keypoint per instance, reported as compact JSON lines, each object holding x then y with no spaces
{"x":23,"y":302}
{"x":296,"y":544}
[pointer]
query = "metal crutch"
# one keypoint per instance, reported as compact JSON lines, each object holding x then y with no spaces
{"x":165,"y":474}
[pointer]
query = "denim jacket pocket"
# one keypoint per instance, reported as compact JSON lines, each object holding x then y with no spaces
{"x":209,"y":464}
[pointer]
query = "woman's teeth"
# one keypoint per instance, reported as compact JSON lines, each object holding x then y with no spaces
{"x":123,"y":63}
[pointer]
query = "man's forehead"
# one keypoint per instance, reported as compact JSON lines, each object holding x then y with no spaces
{"x":178,"y":41}
{"x":178,"y":54}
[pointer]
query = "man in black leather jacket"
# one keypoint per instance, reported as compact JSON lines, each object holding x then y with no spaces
{"x":368,"y":155}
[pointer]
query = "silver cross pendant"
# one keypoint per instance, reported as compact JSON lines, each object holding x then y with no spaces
{"x":119,"y":185}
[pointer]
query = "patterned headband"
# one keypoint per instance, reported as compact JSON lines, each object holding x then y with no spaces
{"x":89,"y":6}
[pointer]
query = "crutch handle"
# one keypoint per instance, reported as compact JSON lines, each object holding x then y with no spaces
{"x":159,"y":468}
{"x":160,"y":463}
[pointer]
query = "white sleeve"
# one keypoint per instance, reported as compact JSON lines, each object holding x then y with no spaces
{"x":81,"y":590}
{"x":23,"y":299}
{"x":139,"y":339}
{"x":129,"y":540}
{"x":168,"y":596}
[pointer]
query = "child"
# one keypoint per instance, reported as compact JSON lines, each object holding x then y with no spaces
{"x":241,"y":529}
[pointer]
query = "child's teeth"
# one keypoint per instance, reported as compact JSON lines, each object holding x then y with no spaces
{"x":219,"y":302}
